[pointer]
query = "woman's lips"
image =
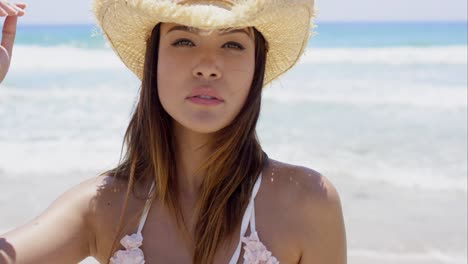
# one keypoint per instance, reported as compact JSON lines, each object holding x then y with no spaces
{"x":203,"y":101}
{"x":206,"y":91}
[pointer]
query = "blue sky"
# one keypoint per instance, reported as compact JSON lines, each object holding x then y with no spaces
{"x":77,"y":11}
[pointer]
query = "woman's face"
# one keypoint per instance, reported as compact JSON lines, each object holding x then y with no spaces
{"x":193,"y":62}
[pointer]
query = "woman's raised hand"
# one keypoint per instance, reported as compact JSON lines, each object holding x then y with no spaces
{"x":11,"y":12}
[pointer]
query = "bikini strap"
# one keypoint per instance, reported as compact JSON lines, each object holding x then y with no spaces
{"x":145,"y":211}
{"x":252,"y":216}
{"x":248,"y":216}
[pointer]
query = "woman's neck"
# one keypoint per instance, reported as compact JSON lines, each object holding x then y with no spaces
{"x":191,"y":150}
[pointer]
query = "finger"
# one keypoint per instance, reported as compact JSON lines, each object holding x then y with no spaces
{"x":18,"y":7}
{"x":9,"y":32}
{"x":21,"y":5}
{"x":3,"y":12}
{"x":14,"y":7}
{"x":21,"y":12}
{"x":8,"y":8}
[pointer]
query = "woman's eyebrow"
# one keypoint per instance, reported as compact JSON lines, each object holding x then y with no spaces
{"x":183,"y":28}
{"x":235,"y":31}
{"x":197,"y":31}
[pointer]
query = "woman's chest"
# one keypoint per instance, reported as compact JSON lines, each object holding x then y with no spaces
{"x":169,"y":247}
{"x":163,"y":242}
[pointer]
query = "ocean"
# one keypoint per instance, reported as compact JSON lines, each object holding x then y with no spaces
{"x":380,"y":109}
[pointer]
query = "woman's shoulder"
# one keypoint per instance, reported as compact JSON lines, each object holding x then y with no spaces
{"x":105,"y":194}
{"x":299,"y":185}
{"x":106,"y":199}
{"x":307,"y":206}
{"x":110,"y":192}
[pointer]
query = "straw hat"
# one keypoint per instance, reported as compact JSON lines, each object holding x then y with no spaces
{"x":285,"y":24}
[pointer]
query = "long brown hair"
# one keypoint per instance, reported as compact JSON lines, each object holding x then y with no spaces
{"x":229,"y":172}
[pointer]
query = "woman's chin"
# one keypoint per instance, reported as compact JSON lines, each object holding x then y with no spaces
{"x":207,"y":129}
{"x":202,"y":127}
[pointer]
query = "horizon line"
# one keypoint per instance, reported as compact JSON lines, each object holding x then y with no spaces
{"x":315,"y":22}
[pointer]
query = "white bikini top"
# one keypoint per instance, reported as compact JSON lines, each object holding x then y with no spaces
{"x":254,"y":250}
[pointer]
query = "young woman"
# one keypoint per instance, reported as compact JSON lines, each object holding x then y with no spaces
{"x":194,"y":185}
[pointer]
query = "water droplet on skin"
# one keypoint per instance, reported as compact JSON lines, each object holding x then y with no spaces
{"x":272,"y":179}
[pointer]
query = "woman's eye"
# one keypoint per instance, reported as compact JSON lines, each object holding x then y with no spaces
{"x":234,"y":45}
{"x":188,"y":43}
{"x":183,"y":42}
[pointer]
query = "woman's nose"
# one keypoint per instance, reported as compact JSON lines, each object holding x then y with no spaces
{"x":207,"y":69}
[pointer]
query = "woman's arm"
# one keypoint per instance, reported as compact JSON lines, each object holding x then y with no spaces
{"x":324,"y":236}
{"x":61,"y":234}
